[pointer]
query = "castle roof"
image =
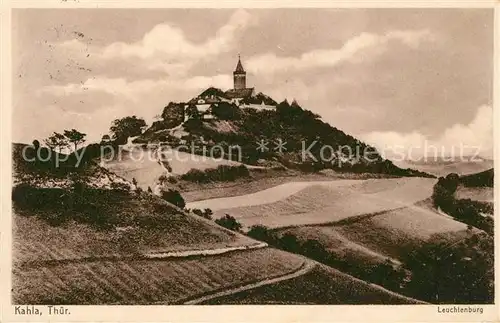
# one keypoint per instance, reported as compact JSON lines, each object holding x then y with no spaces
{"x":239,"y":67}
{"x":239,"y":93}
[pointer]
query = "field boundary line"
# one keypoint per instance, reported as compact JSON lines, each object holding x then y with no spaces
{"x":203,"y":252}
{"x":345,"y":221}
{"x":306,"y":266}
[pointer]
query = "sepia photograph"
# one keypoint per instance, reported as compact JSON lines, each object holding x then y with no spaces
{"x":252,"y":156}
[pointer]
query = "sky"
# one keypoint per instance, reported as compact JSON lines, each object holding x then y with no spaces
{"x":391,"y":77}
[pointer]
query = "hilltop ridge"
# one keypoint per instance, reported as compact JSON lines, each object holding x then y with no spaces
{"x":307,"y":142}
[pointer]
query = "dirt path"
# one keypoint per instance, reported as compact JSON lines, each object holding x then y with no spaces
{"x":305,"y":268}
{"x":203,"y":252}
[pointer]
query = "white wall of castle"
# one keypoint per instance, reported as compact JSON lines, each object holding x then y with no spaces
{"x":258,"y":106}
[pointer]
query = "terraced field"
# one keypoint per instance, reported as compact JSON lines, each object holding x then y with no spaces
{"x":146,"y":281}
{"x":322,"y":285}
{"x":304,"y":203}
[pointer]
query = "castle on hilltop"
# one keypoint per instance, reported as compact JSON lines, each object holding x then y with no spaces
{"x":240,"y":95}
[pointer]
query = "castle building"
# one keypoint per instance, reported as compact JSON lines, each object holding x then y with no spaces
{"x":239,"y":95}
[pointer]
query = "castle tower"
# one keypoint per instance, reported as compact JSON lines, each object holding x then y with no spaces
{"x":239,"y":76}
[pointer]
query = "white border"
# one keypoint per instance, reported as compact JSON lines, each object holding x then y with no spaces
{"x":323,"y":313}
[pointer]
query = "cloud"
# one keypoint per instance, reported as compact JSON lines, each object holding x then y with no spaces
{"x":170,"y":42}
{"x":352,"y":50}
{"x":134,"y":90}
{"x":457,"y":140}
{"x":166,"y":48}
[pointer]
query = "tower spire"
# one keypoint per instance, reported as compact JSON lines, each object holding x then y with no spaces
{"x":239,"y":75}
{"x":239,"y":66}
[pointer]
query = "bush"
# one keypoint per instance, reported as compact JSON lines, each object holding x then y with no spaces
{"x":463,"y":210}
{"x":229,"y":222}
{"x":289,"y":242}
{"x":207,"y":213}
{"x":174,"y":197}
{"x":223,"y":173}
{"x":120,"y":187}
{"x":463,"y":274}
{"x":262,"y":233}
{"x":226,"y":111}
{"x":195,"y":175}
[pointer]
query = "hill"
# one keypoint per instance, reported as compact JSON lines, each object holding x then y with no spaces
{"x":308,"y":143}
{"x":440,"y":167}
{"x":482,"y":179}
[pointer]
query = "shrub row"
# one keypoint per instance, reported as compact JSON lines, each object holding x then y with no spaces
{"x":223,"y":173}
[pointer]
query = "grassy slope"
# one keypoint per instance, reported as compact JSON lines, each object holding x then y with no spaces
{"x":35,"y":240}
{"x":142,"y":165}
{"x":323,"y":285}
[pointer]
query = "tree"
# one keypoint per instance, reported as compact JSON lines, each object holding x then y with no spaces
{"x":314,"y":249}
{"x":36,"y":144}
{"x":75,"y":137}
{"x":229,"y":222}
{"x":260,"y":232}
{"x":173,"y":111}
{"x":226,"y":111}
{"x":105,"y":139}
{"x":174,"y":197}
{"x":207,"y":213}
{"x":192,"y":112}
{"x":122,"y":129}
{"x":289,"y":242}
{"x":451,"y":182}
{"x":461,"y":273}
{"x":57,"y":141}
